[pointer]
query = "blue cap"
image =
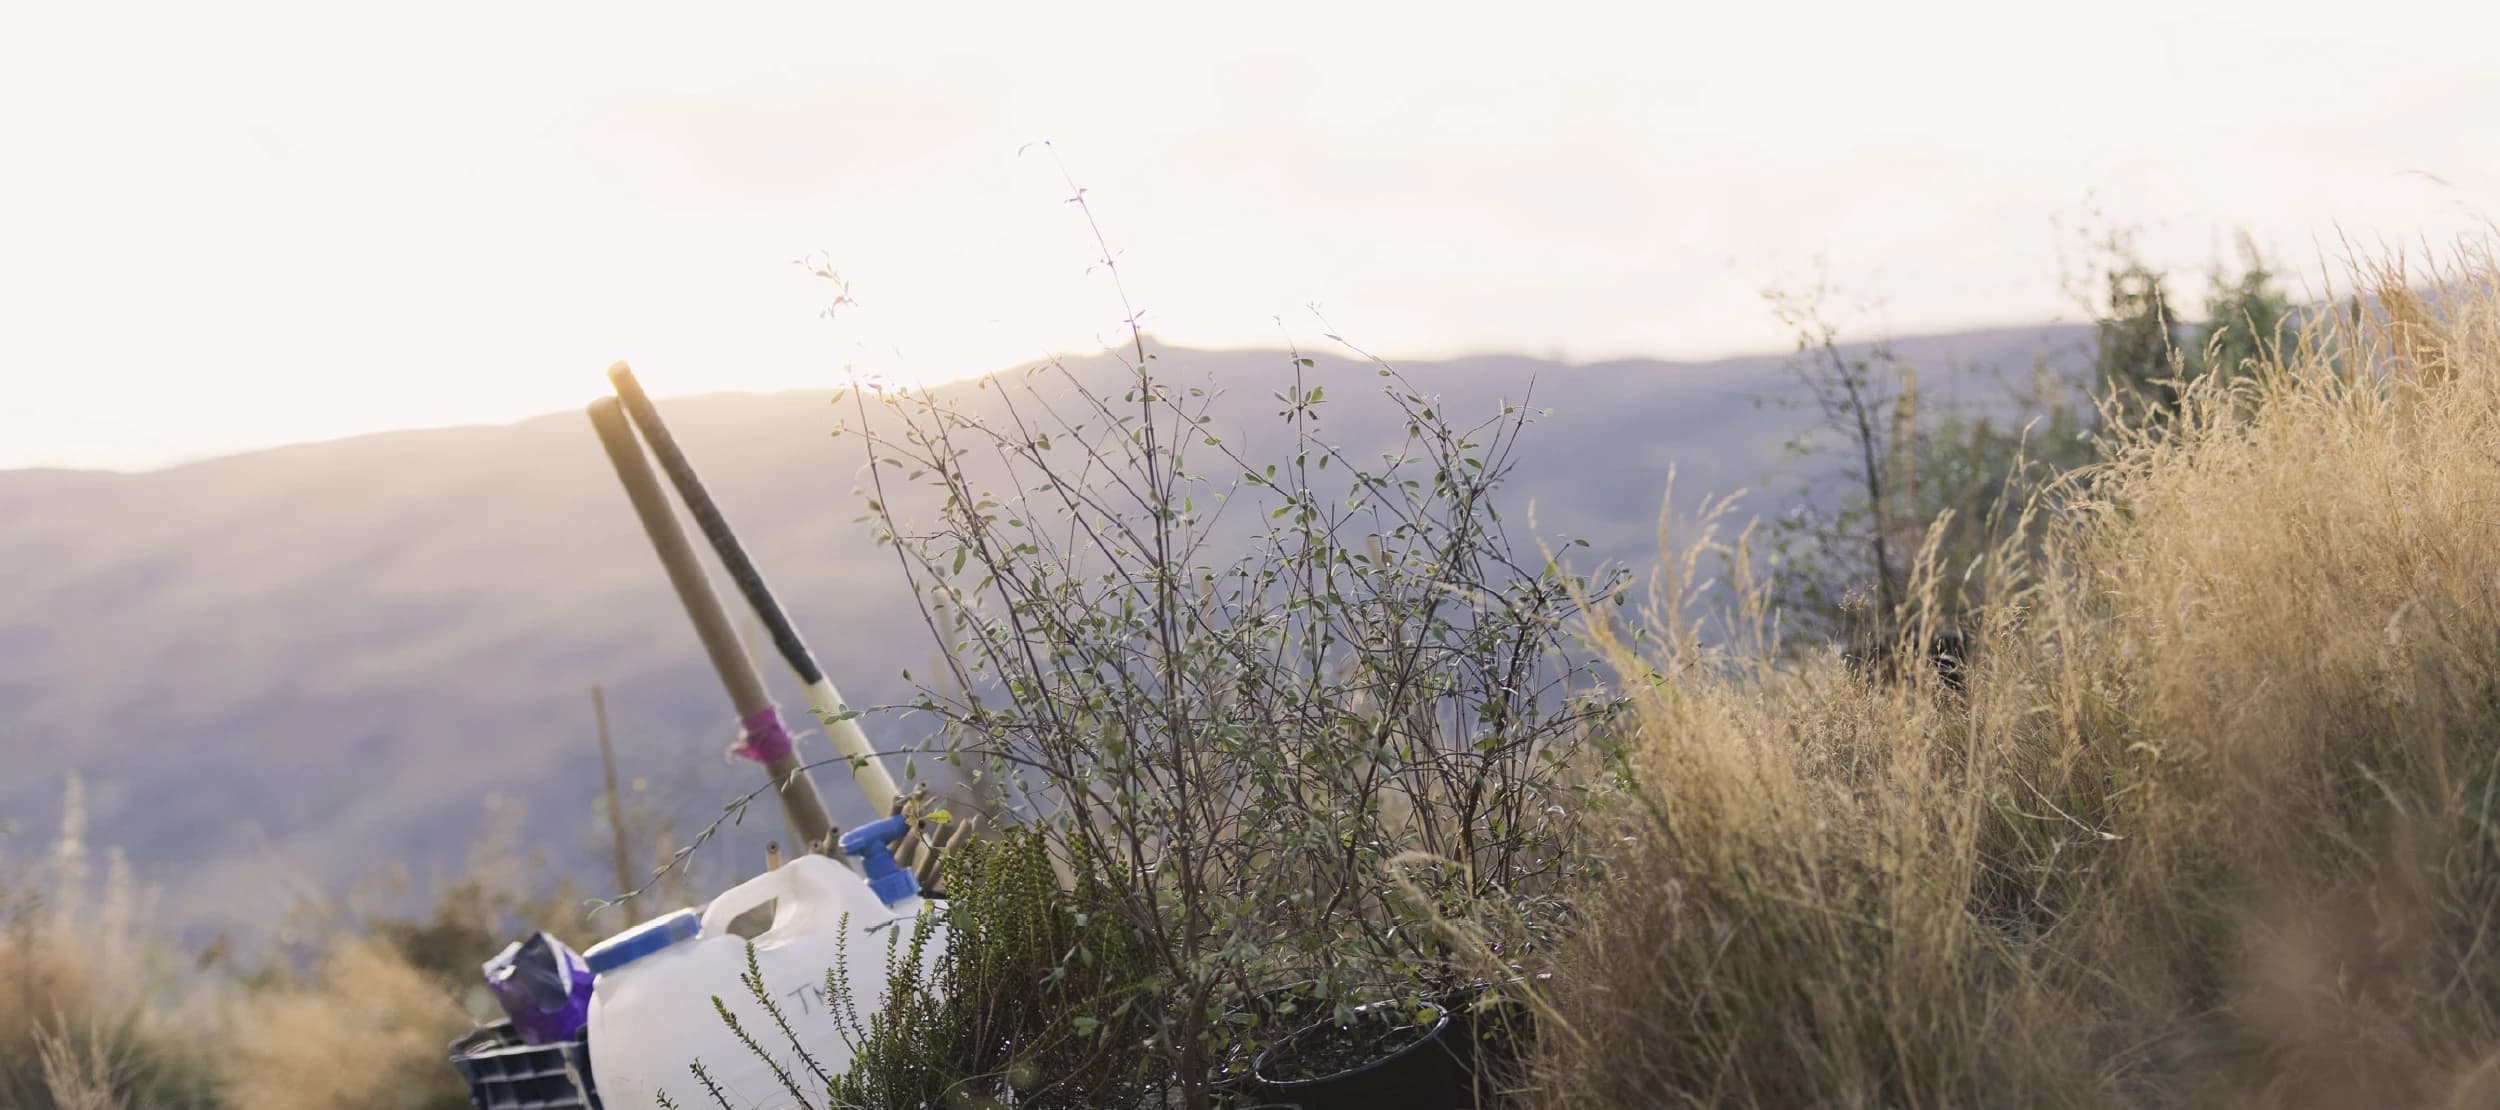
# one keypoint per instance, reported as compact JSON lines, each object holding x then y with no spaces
{"x":642,"y":940}
{"x":891,"y":881}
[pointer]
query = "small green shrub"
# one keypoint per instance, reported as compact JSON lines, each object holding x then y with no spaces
{"x":1036,"y":994}
{"x":1033,"y":999}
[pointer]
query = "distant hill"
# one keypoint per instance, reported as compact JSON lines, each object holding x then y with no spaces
{"x":281,"y":671}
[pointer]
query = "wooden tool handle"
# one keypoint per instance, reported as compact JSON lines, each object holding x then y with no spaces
{"x":799,"y":801}
{"x":866,"y":768}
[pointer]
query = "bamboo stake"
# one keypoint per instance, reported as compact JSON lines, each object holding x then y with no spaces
{"x":616,"y":806}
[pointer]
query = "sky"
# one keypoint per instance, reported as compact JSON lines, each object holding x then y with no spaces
{"x":255,"y":222}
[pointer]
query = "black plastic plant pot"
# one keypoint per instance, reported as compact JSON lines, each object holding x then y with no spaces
{"x":1383,"y":1058}
{"x":1288,"y":1007}
{"x":1487,"y":1041}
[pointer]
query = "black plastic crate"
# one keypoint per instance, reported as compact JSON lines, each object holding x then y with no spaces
{"x":505,"y":1074}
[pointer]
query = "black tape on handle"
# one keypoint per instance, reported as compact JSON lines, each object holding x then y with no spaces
{"x":715,"y":528}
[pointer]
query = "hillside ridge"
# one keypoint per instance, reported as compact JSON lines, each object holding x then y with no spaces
{"x":359,"y":642}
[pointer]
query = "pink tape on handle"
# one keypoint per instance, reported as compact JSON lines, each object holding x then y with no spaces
{"x":761,"y":737}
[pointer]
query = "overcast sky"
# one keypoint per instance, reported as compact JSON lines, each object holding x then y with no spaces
{"x":245,"y":223}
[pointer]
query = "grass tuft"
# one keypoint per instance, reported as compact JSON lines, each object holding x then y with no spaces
{"x":2212,"y":822}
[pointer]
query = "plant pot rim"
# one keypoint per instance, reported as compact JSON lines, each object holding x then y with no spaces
{"x":1481,"y":985}
{"x":1466,"y":995}
{"x":1258,"y":1067}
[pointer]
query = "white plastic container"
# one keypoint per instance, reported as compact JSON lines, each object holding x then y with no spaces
{"x":651,"y":1012}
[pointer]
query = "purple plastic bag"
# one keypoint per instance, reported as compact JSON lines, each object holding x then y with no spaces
{"x":543,"y":986}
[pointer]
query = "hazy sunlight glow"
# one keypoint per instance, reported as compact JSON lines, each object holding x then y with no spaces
{"x":242,"y":224}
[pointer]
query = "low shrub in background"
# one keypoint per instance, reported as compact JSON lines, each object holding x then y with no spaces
{"x":366,"y":1027}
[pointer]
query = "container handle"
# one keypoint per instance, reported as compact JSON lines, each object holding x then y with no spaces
{"x":741,"y":898}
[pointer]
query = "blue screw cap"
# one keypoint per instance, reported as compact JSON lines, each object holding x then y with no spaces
{"x":642,"y":940}
{"x":872,"y":843}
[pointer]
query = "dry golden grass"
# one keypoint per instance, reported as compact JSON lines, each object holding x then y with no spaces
{"x":2212,"y":826}
{"x":80,"y":1026}
{"x":94,"y":1015}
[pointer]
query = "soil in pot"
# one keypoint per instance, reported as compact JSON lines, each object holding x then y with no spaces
{"x":1386,"y":1055}
{"x":1262,"y":1021}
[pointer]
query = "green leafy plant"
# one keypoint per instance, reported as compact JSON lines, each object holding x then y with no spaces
{"x":1228,"y":689}
{"x":1889,"y":539}
{"x":1032,"y":998}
